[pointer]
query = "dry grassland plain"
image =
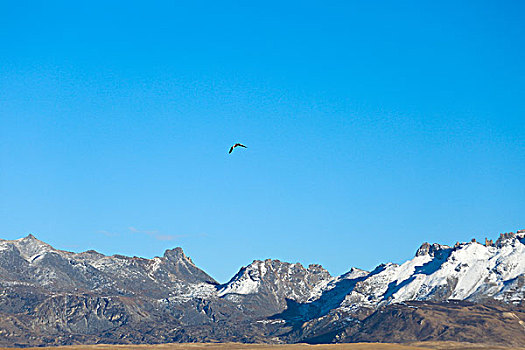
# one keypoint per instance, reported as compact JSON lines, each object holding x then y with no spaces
{"x":237,"y":346}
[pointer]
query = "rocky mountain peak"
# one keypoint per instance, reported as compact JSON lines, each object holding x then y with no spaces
{"x":276,"y":280}
{"x":510,"y":237}
{"x":423,"y":249}
{"x":30,"y":239}
{"x":521,"y":235}
{"x":30,"y":246}
{"x":176,"y":254}
{"x":317,"y":268}
{"x":92,"y":253}
{"x":354,"y":273}
{"x":276,"y":269}
{"x":430,"y":249}
{"x":181,"y":265}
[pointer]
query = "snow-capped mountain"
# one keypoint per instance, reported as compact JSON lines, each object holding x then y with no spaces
{"x":292,"y":281}
{"x":467,"y":271}
{"x":31,"y":262}
{"x":91,"y":297}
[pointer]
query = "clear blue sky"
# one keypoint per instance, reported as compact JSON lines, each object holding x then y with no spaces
{"x":371,"y":126}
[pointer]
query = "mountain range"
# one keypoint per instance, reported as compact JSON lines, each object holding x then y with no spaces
{"x":468,"y":292}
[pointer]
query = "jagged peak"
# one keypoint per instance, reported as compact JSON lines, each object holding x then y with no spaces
{"x":92,"y":252}
{"x":430,"y":249}
{"x":354,"y":273}
{"x":262,"y":266}
{"x":120,"y":256}
{"x":423,"y":249}
{"x":521,"y":236}
{"x":270,"y":261}
{"x":509,"y":238}
{"x":504,"y":238}
{"x":316,"y":268}
{"x":261,"y":269}
{"x":30,"y":238}
{"x":30,"y":246}
{"x":177,"y":254}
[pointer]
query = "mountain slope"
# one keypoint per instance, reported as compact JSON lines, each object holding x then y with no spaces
{"x":467,"y":271}
{"x":39,"y":265}
{"x":49,"y":296}
{"x":265,"y":285}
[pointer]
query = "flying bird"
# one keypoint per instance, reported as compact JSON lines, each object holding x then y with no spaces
{"x":237,"y":144}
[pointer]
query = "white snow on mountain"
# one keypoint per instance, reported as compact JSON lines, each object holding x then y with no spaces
{"x":468,"y":271}
{"x":29,"y":247}
{"x":247,"y":280}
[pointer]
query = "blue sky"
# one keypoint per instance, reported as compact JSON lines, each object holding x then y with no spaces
{"x":371,"y":127}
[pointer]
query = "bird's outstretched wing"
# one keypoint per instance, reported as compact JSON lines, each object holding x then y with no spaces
{"x":237,"y":144}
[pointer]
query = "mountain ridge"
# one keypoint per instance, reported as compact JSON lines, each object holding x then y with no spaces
{"x":92,"y":297}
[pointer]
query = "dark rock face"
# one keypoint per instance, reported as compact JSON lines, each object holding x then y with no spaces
{"x":53,"y":297}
